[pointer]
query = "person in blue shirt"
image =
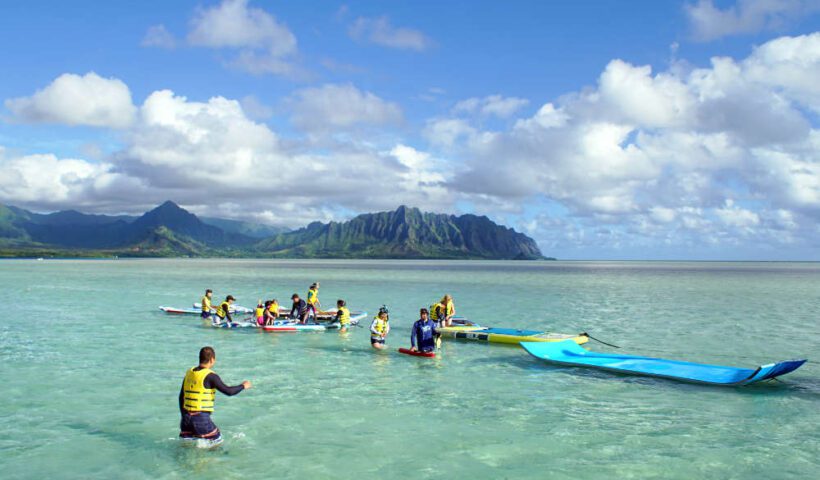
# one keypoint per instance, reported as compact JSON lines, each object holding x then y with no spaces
{"x":423,"y":335}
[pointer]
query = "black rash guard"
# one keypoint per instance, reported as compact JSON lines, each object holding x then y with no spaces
{"x":211,"y":381}
{"x":299,"y":307}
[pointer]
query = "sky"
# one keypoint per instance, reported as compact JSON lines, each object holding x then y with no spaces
{"x":602,"y":129}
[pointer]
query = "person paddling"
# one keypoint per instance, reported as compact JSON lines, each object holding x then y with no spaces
{"x":299,"y":310}
{"x":205,"y":303}
{"x":224,"y":312}
{"x":313,"y":301}
{"x":342,"y":315}
{"x":423,"y":334}
{"x":379,"y":329}
{"x":196,"y":399}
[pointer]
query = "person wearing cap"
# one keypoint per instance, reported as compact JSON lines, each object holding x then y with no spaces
{"x":379,"y":329}
{"x":224,"y":312}
{"x":299,"y":310}
{"x":423,"y":334}
{"x":313,"y":300}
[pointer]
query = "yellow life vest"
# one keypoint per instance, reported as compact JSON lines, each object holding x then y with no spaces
{"x":344,"y":318}
{"x":206,"y":304}
{"x":222,"y":311}
{"x":197,"y":398}
{"x":380,"y":326}
{"x":312,"y":296}
{"x":434,"y":310}
{"x":258,"y":312}
{"x":274,"y":309}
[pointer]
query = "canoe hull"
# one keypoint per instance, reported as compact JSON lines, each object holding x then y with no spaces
{"x":507,"y":336}
{"x":570,"y":354}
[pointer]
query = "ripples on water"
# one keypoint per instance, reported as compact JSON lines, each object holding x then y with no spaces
{"x":91,"y":372}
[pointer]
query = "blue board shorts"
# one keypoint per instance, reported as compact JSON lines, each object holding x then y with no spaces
{"x":198,"y":425}
{"x":206,"y":315}
{"x":374,"y":341}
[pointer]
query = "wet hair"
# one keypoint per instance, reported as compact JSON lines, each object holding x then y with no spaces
{"x":424,"y":310}
{"x":340,"y":303}
{"x":206,"y":354}
{"x":267,"y":303}
{"x":229,"y":297}
{"x":314,"y":285}
{"x":295,"y":295}
{"x":208,"y":291}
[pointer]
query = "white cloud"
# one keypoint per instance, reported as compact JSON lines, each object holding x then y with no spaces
{"x":264,"y":45}
{"x":211,"y":156}
{"x":654,"y":153}
{"x":159,"y":36}
{"x":497,"y":105}
{"x":446,"y":132}
{"x":77,"y":100}
{"x":709,"y":22}
{"x":380,"y":32}
{"x":332,"y":107}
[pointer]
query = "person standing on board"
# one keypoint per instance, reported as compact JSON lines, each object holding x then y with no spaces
{"x":380,"y":328}
{"x":443,"y":311}
{"x":196,"y":399}
{"x":299,"y":310}
{"x":224,"y":312}
{"x":205,"y":303}
{"x":313,"y":301}
{"x":424,"y":333}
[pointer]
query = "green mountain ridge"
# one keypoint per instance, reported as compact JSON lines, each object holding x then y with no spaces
{"x":169,"y":230}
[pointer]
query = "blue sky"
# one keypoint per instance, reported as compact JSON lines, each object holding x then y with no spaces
{"x":602,"y":129}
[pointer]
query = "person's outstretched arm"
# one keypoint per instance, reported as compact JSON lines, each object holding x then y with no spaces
{"x":213,"y":381}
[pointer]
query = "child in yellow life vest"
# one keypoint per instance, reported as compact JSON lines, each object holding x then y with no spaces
{"x":271,"y":311}
{"x":342,"y":315}
{"x":205,"y":303}
{"x":379,"y":329}
{"x":224,"y":312}
{"x":443,"y":311}
{"x":259,"y":313}
{"x":313,"y":301}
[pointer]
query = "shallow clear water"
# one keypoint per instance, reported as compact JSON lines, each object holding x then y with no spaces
{"x":91,"y":372}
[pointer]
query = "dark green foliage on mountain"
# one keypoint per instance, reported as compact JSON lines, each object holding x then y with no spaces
{"x":169,"y":230}
{"x":404,"y":233}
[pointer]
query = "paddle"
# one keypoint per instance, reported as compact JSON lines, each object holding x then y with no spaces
{"x":599,"y":341}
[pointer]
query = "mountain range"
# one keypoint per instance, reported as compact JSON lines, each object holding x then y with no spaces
{"x":169,"y":230}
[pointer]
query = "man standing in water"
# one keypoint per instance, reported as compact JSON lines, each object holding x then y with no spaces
{"x":196,"y":399}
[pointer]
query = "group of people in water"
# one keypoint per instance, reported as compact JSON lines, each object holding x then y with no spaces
{"x":268,"y":312}
{"x":198,"y":391}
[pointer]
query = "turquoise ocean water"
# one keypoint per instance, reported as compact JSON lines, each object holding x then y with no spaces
{"x":91,"y":370}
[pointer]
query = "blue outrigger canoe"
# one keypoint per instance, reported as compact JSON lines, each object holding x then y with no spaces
{"x":571,"y":354}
